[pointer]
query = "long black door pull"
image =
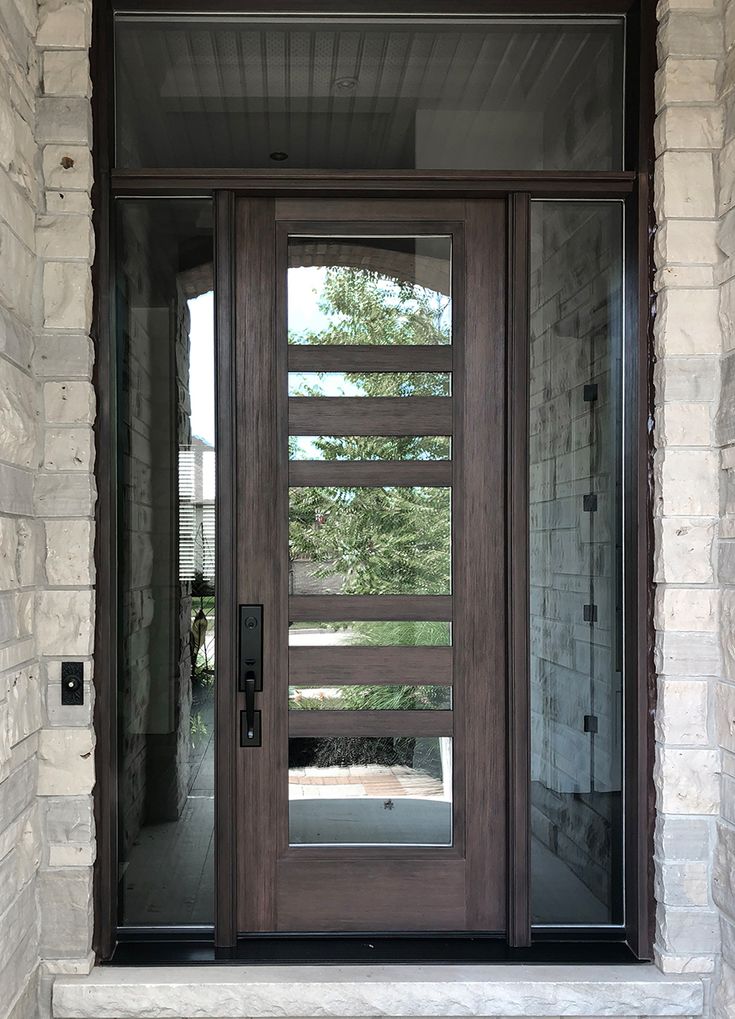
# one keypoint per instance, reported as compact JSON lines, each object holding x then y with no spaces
{"x":250,"y":678}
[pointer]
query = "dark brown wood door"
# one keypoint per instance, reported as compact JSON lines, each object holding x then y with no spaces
{"x":370,"y":480}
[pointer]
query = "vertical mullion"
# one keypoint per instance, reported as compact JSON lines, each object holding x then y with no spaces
{"x":225,"y":930}
{"x":519,"y":723}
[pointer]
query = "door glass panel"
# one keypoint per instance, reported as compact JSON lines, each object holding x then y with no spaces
{"x":369,"y":540}
{"x":380,"y":633}
{"x":369,"y":447}
{"x":575,"y":562}
{"x":369,"y":290}
{"x":369,"y":384}
{"x":369,"y":698}
{"x":360,"y":790}
{"x":394,"y":93}
{"x":165,"y":334}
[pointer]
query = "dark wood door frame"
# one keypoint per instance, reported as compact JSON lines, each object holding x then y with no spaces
{"x":634,"y":185}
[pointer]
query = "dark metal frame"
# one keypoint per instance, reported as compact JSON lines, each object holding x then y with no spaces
{"x":633,"y":185}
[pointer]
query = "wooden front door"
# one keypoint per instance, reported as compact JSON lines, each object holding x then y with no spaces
{"x":371,"y":565}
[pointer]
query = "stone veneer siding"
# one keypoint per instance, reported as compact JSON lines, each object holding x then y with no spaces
{"x":47,"y":495}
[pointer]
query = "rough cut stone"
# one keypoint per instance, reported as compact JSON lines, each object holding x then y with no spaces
{"x":64,"y":621}
{"x":69,"y":402}
{"x":66,"y":73}
{"x":69,"y":561}
{"x":67,"y":295}
{"x":684,"y":186}
{"x":65,"y":762}
{"x":687,"y":780}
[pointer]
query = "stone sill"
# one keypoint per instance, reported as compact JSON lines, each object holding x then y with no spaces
{"x":266,"y":992}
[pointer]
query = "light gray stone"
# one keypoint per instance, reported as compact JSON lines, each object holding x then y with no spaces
{"x":687,"y":780}
{"x":66,"y":356}
{"x":66,"y":73}
{"x":65,"y":762}
{"x":362,"y":991}
{"x":65,"y":902}
{"x":65,"y":622}
{"x":67,"y":295}
{"x":67,"y":167}
{"x":63,"y":120}
{"x":69,"y":402}
{"x":63,"y":24}
{"x":69,"y":548}
{"x":65,"y":495}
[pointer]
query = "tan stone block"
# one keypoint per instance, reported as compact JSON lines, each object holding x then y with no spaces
{"x":687,"y":608}
{"x":686,"y":81}
{"x":684,"y":424}
{"x":64,"y":237}
{"x":67,"y":295}
{"x":67,"y":167}
{"x":688,"y":322}
{"x":689,"y":127}
{"x":684,"y":186}
{"x":66,"y":73}
{"x":684,"y":550}
{"x":64,"y":24}
{"x":687,"y":482}
{"x":687,"y":780}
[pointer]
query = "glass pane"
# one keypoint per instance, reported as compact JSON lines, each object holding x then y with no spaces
{"x":369,"y":540}
{"x":369,"y":384}
{"x":369,"y":290}
{"x":382,"y":633}
{"x":369,"y":447}
{"x":431,"y":93}
{"x":165,"y":335}
{"x":369,"y":698}
{"x":575,"y":572}
{"x":360,"y":790}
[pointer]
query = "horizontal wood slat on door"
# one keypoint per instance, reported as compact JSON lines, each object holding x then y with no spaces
{"x":369,"y":358}
{"x":348,"y":666}
{"x":370,"y":723}
{"x":315,"y":608}
{"x":370,"y":473}
{"x":376,"y":415}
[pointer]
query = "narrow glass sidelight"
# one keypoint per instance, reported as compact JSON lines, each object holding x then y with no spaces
{"x":166,"y":430}
{"x":575,"y":435}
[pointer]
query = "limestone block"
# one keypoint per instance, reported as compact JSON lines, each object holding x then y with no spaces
{"x":69,"y":553}
{"x":682,"y":884}
{"x":687,"y":482}
{"x":18,"y":947}
{"x":63,"y":355}
{"x":24,"y":704}
{"x":686,"y":81}
{"x":687,"y":780}
{"x":18,"y":416}
{"x":727,"y":177}
{"x":8,"y":553}
{"x":63,"y":24}
{"x":723,"y":1004}
{"x":725,"y":416}
{"x":687,"y":608}
{"x":65,"y":236}
{"x":688,"y":654}
{"x":69,"y":201}
{"x":685,"y":33}
{"x":727,"y":632}
{"x":725,"y":715}
{"x":684,"y":186}
{"x":687,"y":931}
{"x":16,"y":490}
{"x":69,"y":829}
{"x":65,"y":903}
{"x":64,"y":622}
{"x":63,"y":120}
{"x":689,"y":963}
{"x":727,"y":799}
{"x":681,"y":712}
{"x":727,"y":313}
{"x":683,"y":838}
{"x":688,"y":322}
{"x":69,"y":402}
{"x":16,"y":339}
{"x":689,"y":127}
{"x":65,"y":762}
{"x":723,"y":872}
{"x":686,"y":379}
{"x":67,"y":167}
{"x":64,"y":496}
{"x":726,"y":233}
{"x":683,"y":552}
{"x":67,"y":295}
{"x":68,"y":449}
{"x":17,"y":269}
{"x":17,"y":209}
{"x":9,"y":628}
{"x":684,"y":277}
{"x":66,"y":73}
{"x":684,"y":424}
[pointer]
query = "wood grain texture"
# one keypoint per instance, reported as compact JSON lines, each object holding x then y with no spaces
{"x":370,"y":665}
{"x":369,"y":358}
{"x":479,"y":563}
{"x":519,"y":693}
{"x":262,"y":570}
{"x":370,"y":723}
{"x":370,"y":473}
{"x":377,"y":415}
{"x":356,"y":608}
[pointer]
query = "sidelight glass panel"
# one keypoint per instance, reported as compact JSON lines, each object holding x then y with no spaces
{"x":366,"y":93}
{"x":370,"y":290}
{"x":361,"y":790}
{"x":369,"y":384}
{"x":381,"y":633}
{"x":575,"y":484}
{"x":388,"y":697}
{"x":369,"y":447}
{"x":167,"y":666}
{"x":369,"y":540}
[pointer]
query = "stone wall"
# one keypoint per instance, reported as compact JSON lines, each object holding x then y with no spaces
{"x":20,"y":535}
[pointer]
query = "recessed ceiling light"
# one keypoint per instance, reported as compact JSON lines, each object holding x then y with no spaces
{"x":279,"y":156}
{"x":345,"y":84}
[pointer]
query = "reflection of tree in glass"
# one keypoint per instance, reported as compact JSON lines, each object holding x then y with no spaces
{"x":362,"y":306}
{"x":381,"y":540}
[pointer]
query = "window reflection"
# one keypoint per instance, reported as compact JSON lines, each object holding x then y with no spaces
{"x":167,"y":558}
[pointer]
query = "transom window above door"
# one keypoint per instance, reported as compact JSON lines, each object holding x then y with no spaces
{"x":433,"y":94}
